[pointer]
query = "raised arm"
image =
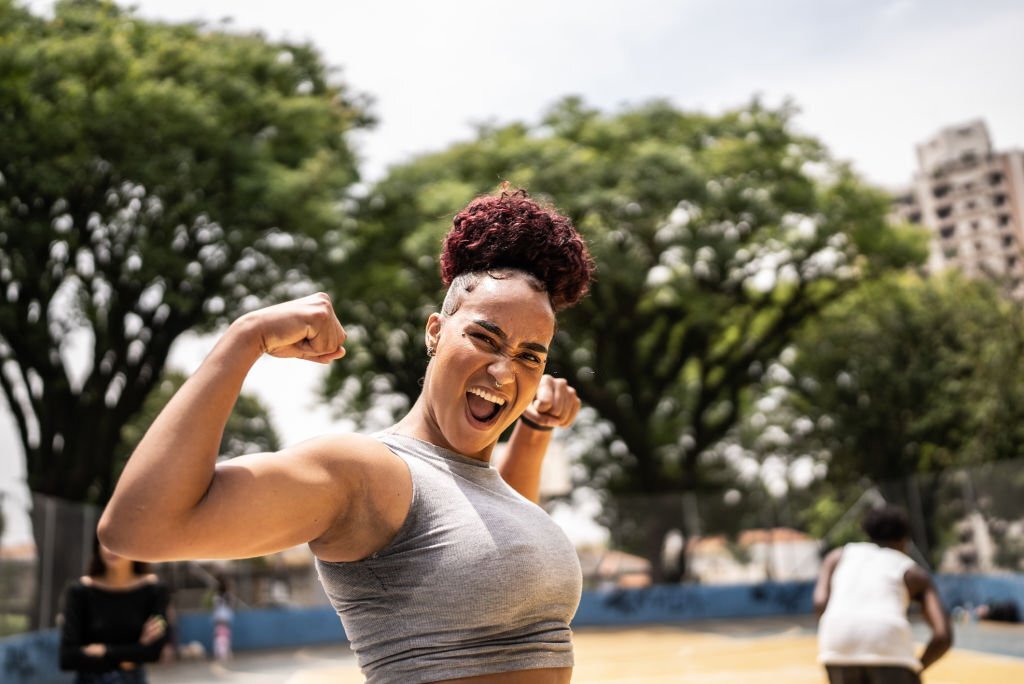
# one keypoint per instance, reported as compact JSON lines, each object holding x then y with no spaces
{"x":556,"y":405}
{"x":173,"y":501}
{"x":922,"y":589}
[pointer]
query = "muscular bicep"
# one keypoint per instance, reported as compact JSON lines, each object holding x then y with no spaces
{"x":262,"y":503}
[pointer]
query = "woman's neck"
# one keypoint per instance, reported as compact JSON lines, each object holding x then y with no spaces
{"x":420,"y":423}
{"x":119,"y":576}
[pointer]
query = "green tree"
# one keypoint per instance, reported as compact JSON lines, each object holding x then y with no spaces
{"x":716,"y":237}
{"x":249,"y":428}
{"x":906,"y":380}
{"x":154,"y":178}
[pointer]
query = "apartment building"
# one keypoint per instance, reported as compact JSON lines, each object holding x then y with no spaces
{"x":972,"y":199}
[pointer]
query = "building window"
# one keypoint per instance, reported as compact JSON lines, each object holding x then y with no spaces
{"x":995,"y":178}
{"x":947,"y":231}
{"x":1004,"y":219}
{"x":940,"y":191}
{"x":999,"y":200}
{"x":1007,"y":240}
{"x":944,"y":212}
{"x":970,"y":205}
{"x":974,"y":226}
{"x":949,"y":252}
{"x":915,"y":217}
{"x":1011,"y":261}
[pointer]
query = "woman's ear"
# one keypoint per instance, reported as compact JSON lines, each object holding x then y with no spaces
{"x":432,"y":334}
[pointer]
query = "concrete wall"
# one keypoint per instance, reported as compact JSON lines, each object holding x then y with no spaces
{"x":32,"y":658}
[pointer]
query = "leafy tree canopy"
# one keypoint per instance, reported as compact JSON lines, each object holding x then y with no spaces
{"x":249,"y":428}
{"x":154,"y":178}
{"x":716,"y":237}
{"x":899,"y":387}
{"x":913,"y":375}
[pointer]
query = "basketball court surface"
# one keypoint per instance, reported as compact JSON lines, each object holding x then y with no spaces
{"x":768,"y":651}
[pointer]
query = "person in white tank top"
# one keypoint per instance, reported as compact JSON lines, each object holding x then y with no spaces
{"x":862,"y":596}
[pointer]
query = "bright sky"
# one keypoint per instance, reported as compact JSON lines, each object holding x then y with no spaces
{"x":872,"y":78}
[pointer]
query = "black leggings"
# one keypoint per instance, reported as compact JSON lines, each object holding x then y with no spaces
{"x":871,"y":674}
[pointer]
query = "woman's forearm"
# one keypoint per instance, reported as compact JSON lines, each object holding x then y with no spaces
{"x":936,"y":648}
{"x":523,"y":459}
{"x":173,"y":466}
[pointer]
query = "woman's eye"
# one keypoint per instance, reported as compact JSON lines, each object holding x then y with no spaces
{"x":532,"y":359}
{"x":485,"y":339}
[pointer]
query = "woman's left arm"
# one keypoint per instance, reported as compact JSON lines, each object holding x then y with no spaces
{"x":556,"y":405}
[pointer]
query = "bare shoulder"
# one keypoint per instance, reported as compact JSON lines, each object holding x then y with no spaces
{"x":347,"y":454}
{"x":379,"y":503}
{"x":832,"y":559}
{"x":917,"y":580}
{"x":319,"y":460}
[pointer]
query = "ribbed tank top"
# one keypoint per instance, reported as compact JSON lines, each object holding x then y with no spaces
{"x":865,"y":620}
{"x":478,"y":580}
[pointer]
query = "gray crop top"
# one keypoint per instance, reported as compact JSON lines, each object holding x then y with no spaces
{"x":478,"y":580}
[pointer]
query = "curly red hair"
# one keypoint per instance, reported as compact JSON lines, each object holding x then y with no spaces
{"x":512,"y":231}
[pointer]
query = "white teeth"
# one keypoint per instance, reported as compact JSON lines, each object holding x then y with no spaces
{"x":484,"y":394}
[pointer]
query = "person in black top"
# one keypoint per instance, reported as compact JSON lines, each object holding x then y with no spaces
{"x":115,"y":619}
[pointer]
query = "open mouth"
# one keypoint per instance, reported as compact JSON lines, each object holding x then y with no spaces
{"x":484,"y":407}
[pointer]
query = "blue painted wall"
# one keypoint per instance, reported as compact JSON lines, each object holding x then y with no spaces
{"x":675,"y":603}
{"x":973,"y":590}
{"x":267,"y":628}
{"x":32,"y":658}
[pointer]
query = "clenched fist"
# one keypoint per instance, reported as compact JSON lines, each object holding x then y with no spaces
{"x":555,"y":405}
{"x":304,"y":328}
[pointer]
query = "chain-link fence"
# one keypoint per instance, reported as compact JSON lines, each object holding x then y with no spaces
{"x":962,"y":520}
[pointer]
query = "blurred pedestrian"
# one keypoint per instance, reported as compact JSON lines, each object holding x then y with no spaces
{"x":115,"y":619}
{"x":223,"y":617}
{"x":862,"y":596}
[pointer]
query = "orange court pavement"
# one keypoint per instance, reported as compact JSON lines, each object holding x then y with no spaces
{"x":769,"y":651}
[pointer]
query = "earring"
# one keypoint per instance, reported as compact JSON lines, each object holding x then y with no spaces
{"x":497,"y":385}
{"x":431,"y":351}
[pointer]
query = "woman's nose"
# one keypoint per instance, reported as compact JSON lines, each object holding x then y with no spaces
{"x":501,"y":370}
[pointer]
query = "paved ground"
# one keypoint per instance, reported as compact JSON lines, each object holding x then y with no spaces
{"x":770,"y":651}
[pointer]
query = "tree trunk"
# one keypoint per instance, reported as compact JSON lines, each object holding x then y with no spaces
{"x":63,"y":532}
{"x":642,"y":522}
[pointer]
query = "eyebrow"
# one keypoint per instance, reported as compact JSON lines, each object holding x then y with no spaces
{"x":497,"y":331}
